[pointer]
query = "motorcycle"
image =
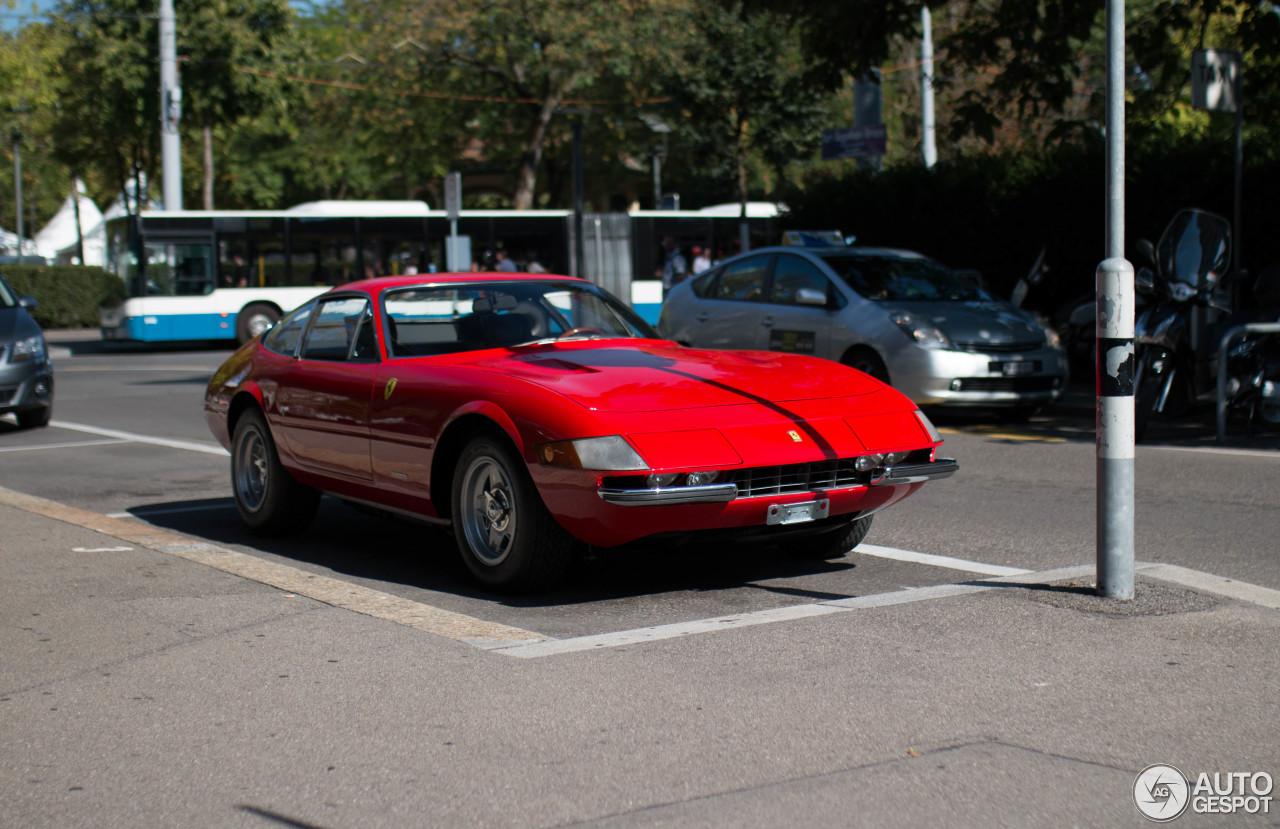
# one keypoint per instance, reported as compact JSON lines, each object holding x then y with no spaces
{"x":1251,"y":383}
{"x":1185,"y":292}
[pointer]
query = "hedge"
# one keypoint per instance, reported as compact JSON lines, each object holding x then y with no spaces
{"x":67,"y":296}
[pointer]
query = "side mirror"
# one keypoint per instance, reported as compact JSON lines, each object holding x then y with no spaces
{"x":972,"y":276}
{"x":28,"y":302}
{"x":811,"y":296}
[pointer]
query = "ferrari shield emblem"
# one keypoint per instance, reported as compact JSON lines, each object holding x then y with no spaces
{"x":391,"y":386}
{"x":795,"y":436}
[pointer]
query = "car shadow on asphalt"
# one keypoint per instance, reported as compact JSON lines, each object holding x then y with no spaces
{"x":395,"y":552}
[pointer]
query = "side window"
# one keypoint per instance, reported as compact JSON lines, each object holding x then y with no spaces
{"x":790,"y":275}
{"x":704,"y":285}
{"x":743,"y":281}
{"x":283,"y":338}
{"x":336,"y":330}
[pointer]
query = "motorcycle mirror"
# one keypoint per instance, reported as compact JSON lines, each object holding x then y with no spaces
{"x":1146,"y":250}
{"x":1037,"y":272}
{"x":1145,"y":279}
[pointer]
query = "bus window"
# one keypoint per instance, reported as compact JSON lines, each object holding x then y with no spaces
{"x":179,"y":269}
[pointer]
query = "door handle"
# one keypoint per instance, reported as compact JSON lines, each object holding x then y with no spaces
{"x":767,"y":322}
{"x":702,"y":316}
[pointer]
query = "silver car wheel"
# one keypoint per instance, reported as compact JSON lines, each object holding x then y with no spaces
{"x":251,"y":471}
{"x":488,"y":510}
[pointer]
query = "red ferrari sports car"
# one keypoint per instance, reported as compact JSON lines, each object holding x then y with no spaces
{"x":535,"y":414}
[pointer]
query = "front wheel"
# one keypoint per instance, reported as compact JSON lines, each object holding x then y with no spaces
{"x":508,"y":539}
{"x":35,"y":418}
{"x":867,"y":361}
{"x":267,"y":497}
{"x":830,"y":543}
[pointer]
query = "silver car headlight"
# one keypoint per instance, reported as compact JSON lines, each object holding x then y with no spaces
{"x":31,"y":348}
{"x":1051,"y":337}
{"x":926,"y":336}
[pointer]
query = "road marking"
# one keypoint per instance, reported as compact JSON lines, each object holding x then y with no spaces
{"x":991,"y":433}
{"x":62,"y":445}
{"x":101,"y":549}
{"x":189,"y":445}
{"x":206,"y":369}
{"x":939,"y":561}
{"x":524,"y":644}
{"x":1220,"y":450}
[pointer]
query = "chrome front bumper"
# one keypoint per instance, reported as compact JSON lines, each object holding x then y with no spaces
{"x":723,"y":493}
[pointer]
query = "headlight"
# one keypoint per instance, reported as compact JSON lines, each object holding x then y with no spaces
{"x":926,"y":335}
{"x":32,"y":348}
{"x":934,"y":435}
{"x":1051,"y":337}
{"x":1181,"y":291}
{"x":610,"y":453}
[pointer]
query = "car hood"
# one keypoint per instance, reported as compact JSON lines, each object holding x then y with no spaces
{"x":976,"y":323}
{"x":660,"y":376}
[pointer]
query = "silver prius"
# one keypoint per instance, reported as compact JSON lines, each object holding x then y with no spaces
{"x":899,"y":316}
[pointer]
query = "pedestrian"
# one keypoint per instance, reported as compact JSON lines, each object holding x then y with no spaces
{"x":504,"y":264}
{"x":533,"y":265}
{"x":701,"y":259}
{"x":674,"y":269}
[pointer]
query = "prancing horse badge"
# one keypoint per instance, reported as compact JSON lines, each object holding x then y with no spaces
{"x":795,"y":436}
{"x":391,"y":386}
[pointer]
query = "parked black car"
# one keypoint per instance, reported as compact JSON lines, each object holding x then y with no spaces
{"x":26,"y":375}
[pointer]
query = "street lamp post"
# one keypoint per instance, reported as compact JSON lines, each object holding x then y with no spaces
{"x":658,"y":150}
{"x":17,"y":183}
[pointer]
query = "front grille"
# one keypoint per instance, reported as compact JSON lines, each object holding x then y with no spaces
{"x":1000,"y":348}
{"x":797,"y":477}
{"x":1012,"y":384}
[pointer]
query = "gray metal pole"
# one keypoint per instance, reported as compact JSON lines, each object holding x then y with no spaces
{"x":1116,"y":356}
{"x":1237,"y":247}
{"x":579,"y":249}
{"x":170,"y":109}
{"x":17,"y":184}
{"x":928,"y":139}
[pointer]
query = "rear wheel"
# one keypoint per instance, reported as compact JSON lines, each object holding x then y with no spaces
{"x":830,"y":543}
{"x":267,"y":497}
{"x":508,"y":539}
{"x":253,"y":320}
{"x":867,"y":361}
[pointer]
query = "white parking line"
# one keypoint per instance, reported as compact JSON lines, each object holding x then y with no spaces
{"x":189,"y":445}
{"x":61,"y":445}
{"x":939,"y":561}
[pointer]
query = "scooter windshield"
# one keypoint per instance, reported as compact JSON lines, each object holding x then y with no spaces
{"x":1195,"y":248}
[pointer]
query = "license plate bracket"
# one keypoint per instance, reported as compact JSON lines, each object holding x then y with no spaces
{"x":1015,"y":368}
{"x":798,"y":513}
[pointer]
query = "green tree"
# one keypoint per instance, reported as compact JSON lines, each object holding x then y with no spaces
{"x":745,"y":101}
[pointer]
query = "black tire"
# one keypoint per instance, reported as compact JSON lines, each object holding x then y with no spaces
{"x":507,"y":538}
{"x":267,"y":497}
{"x":35,"y":418}
{"x":829,"y":544}
{"x":254,"y":319}
{"x":867,"y":361}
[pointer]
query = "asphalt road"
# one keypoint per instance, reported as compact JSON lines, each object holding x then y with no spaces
{"x":129,"y":439}
{"x":806,"y":714}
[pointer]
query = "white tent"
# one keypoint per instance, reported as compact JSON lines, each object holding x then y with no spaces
{"x":60,"y":232}
{"x":9,"y":244}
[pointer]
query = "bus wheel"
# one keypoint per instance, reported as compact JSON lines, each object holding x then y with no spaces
{"x":253,"y":320}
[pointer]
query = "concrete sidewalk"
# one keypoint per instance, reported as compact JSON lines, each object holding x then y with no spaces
{"x":142,"y":688}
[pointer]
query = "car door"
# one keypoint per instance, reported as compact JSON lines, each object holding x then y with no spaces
{"x":324,"y":394}
{"x":728,"y":316}
{"x":796,"y":316}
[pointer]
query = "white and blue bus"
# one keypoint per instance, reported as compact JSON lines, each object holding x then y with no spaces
{"x":230,"y":274}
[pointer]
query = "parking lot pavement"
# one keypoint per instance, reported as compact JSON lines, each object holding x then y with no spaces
{"x":139,"y":686}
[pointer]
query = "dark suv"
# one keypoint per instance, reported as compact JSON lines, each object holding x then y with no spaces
{"x":26,"y":375}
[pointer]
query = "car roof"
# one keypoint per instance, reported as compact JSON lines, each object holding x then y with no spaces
{"x":855,"y":251}
{"x":382,"y":283}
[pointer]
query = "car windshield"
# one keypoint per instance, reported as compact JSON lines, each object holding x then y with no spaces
{"x":446,"y":318}
{"x":901,"y":279}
